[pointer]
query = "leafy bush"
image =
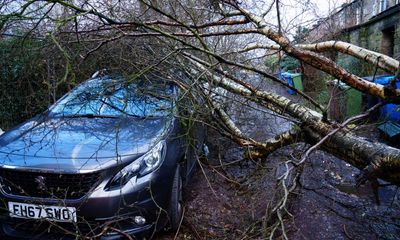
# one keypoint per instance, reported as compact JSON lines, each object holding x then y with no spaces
{"x":289,"y":63}
{"x":22,"y":75}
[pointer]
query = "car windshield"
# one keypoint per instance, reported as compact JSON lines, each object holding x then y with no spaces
{"x":114,"y":97}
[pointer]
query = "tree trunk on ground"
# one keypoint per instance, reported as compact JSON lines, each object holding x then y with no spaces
{"x":375,"y":159}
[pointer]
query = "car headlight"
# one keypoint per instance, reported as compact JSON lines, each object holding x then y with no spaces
{"x":147,"y":163}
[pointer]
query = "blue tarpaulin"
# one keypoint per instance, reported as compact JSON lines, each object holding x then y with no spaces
{"x":390,"y":111}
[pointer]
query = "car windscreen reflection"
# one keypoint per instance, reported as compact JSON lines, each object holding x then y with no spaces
{"x":108,"y":97}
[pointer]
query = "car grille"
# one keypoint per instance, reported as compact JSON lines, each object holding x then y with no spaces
{"x":47,"y":185}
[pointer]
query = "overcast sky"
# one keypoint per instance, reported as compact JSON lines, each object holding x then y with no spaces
{"x":326,"y":6}
{"x":305,"y":13}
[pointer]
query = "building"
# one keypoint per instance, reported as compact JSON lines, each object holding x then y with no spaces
{"x":350,"y":14}
{"x":371,"y":24}
{"x":380,"y":33}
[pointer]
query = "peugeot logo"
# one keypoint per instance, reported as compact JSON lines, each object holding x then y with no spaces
{"x":41,"y":183}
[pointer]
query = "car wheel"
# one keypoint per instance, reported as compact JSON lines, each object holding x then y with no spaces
{"x":176,"y":203}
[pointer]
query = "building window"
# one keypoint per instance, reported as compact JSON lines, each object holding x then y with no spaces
{"x":387,"y":42}
{"x":383,"y":5}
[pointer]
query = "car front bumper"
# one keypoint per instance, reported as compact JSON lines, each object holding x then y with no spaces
{"x":101,"y":213}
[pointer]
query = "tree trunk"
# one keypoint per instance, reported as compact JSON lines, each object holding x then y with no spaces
{"x":375,"y":159}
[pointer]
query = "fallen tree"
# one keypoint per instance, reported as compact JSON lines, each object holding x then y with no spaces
{"x":377,"y":159}
{"x":377,"y":59}
{"x":191,"y":42}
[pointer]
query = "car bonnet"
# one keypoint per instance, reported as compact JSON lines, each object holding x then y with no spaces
{"x":79,"y":144}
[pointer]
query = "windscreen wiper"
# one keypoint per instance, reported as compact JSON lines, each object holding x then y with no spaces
{"x":89,"y":115}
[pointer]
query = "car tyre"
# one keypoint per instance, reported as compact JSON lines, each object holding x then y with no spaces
{"x":176,"y":203}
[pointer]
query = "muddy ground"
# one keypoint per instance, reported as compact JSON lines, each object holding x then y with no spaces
{"x":228,"y":196}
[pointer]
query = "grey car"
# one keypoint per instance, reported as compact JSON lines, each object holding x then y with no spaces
{"x":108,"y":159}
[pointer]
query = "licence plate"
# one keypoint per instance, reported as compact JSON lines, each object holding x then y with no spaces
{"x":33,"y":211}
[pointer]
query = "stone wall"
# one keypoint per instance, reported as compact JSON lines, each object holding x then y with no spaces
{"x":375,"y":30}
{"x":349,"y":15}
{"x":371,"y":35}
